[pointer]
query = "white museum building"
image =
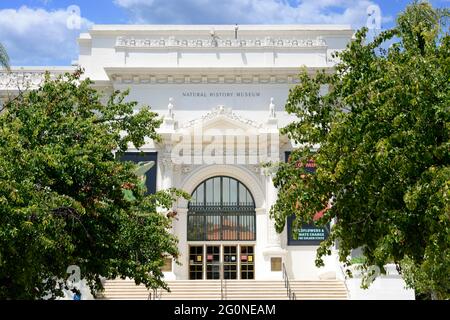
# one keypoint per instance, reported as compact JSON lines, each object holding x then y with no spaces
{"x":221,"y":90}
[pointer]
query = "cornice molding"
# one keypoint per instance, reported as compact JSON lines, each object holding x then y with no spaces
{"x":218,"y":75}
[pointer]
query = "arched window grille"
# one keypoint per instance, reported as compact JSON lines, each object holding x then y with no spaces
{"x":221,"y":208}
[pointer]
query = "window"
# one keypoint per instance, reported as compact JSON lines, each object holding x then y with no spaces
{"x":221,"y":208}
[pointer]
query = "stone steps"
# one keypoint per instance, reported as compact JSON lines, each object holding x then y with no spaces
{"x":234,"y":290}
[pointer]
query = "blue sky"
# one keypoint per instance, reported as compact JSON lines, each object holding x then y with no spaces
{"x":35,"y":32}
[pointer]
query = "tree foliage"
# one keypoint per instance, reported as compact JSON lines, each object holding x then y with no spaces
{"x":62,"y":192}
{"x":380,"y":140}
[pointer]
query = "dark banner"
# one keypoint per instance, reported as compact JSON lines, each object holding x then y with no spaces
{"x":137,"y":157}
{"x":309,"y":234}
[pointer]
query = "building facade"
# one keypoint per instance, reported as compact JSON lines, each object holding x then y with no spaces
{"x":221,"y":90}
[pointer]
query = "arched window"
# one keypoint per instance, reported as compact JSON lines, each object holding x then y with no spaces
{"x":221,"y":208}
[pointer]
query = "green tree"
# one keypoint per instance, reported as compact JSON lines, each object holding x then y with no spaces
{"x":4,"y":58}
{"x":380,"y":141}
{"x":63,"y":192}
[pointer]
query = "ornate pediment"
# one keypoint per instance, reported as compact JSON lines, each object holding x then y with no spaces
{"x":222,"y":117}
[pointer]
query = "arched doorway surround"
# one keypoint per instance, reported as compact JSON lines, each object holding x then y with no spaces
{"x":221,"y":209}
{"x":212,"y":253}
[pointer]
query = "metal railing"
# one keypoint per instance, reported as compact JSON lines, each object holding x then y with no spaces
{"x":153,"y":295}
{"x":223,"y":283}
{"x":230,"y":226}
{"x":345,"y":278}
{"x":290,"y":293}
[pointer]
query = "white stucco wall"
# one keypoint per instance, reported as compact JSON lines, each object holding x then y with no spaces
{"x":385,"y":287}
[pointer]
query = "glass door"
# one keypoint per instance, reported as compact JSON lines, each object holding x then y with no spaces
{"x":196,"y":262}
{"x":247,"y":262}
{"x":230,"y":262}
{"x":205,"y":262}
{"x":212,"y":262}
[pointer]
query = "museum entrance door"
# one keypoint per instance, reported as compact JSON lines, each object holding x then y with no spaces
{"x":221,"y":230}
{"x":229,"y":262}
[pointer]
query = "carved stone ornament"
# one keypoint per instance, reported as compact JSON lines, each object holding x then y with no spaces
{"x":221,"y":111}
{"x":214,"y":41}
{"x":21,"y":80}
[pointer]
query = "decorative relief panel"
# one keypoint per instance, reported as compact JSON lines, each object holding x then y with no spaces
{"x":21,"y":80}
{"x":221,"y":111}
{"x":214,"y":42}
{"x":210,"y":79}
{"x":25,"y":80}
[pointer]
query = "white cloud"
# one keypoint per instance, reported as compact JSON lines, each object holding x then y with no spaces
{"x":39,"y":37}
{"x":248,"y":11}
